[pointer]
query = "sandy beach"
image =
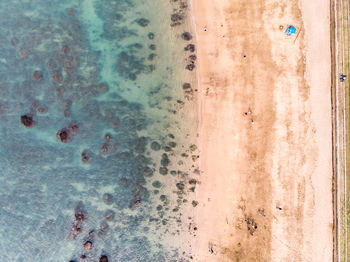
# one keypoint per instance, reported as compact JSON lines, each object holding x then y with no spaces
{"x":265,"y":191}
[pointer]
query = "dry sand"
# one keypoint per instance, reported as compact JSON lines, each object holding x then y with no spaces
{"x":279,"y":154}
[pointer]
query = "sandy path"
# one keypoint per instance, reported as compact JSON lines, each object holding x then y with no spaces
{"x":279,"y":153}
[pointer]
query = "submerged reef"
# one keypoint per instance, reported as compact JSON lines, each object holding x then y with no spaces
{"x":81,"y":169}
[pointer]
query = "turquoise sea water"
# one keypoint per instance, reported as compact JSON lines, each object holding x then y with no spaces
{"x":93,"y":140}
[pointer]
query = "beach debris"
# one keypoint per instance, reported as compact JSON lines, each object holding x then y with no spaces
{"x":205,"y":29}
{"x":261,"y":212}
{"x":291,"y":30}
{"x":252,"y":226}
{"x":279,"y":208}
{"x":342,"y":77}
{"x":27,"y":121}
{"x":249,"y":112}
{"x":281,"y":27}
{"x":211,"y":248}
{"x":252,"y":122}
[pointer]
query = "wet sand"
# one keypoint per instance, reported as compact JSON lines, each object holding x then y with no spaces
{"x":265,"y":131}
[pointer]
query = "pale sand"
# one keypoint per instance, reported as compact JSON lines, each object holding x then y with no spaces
{"x":284,"y":158}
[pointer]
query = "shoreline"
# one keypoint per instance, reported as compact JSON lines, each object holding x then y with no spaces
{"x":277,"y":156}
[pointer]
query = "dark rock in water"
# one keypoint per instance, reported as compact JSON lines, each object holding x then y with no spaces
{"x":192,"y":57}
{"x":165,"y":160}
{"x":118,"y":16}
{"x":65,"y":50}
{"x":69,"y":65}
{"x":56,"y":76}
{"x":69,"y":11}
{"x":73,"y":127}
{"x":171,"y":136}
{"x":108,"y":137}
{"x":71,"y":260}
{"x":150,"y":36}
{"x":186,"y":86}
{"x":27,"y":120}
{"x":80,"y":216}
{"x":143,"y":22}
{"x":104,"y":226}
{"x":86,"y":156}
{"x":103,"y":258}
{"x":88,"y":245}
{"x":180,"y":185}
{"x":129,"y":65}
{"x":51,"y":64}
{"x":37,"y":75}
{"x":104,"y":149}
{"x":141,"y":144}
{"x":176,"y":17}
{"x":101,"y":88}
{"x":190,"y":67}
{"x":163,"y":170}
{"x":41,"y":109}
{"x":142,"y":160}
{"x":156,"y":184}
{"x":83,"y":257}
{"x":167,"y":149}
{"x":151,"y":56}
{"x":186,"y":36}
{"x":109,"y":215}
{"x":14,"y":41}
{"x":23,"y":53}
{"x":147,"y":172}
{"x":175,"y":24}
{"x":63,"y":135}
{"x":172,"y":144}
{"x":152,"y":47}
{"x":190,"y":47}
{"x":192,"y":181}
{"x":108,"y":199}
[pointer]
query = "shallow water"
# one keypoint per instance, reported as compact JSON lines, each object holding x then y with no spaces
{"x":111,"y":67}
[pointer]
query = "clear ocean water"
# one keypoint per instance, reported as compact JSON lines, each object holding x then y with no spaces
{"x":96,"y":145}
